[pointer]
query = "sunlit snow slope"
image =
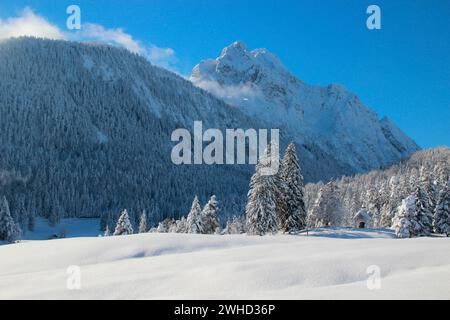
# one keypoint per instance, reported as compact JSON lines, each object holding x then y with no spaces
{"x":329,"y":264}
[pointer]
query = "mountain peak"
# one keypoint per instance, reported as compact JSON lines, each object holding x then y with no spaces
{"x":235,"y":47}
{"x":332,"y":117}
{"x":236,"y":65}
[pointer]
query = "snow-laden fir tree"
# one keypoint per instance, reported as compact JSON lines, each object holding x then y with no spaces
{"x":165,"y":226}
{"x":9,"y":230}
{"x":404,"y":221}
{"x":143,"y":223}
{"x":261,"y":204}
{"x":235,"y":225}
{"x":442,"y":213}
{"x":281,"y":191}
{"x":292,"y":178}
{"x":423,"y":216}
{"x":181,"y":225}
{"x":210,"y":217}
{"x":392,"y":202}
{"x":429,"y":185}
{"x":123,"y":226}
{"x":194,"y":219}
{"x":327,"y":210}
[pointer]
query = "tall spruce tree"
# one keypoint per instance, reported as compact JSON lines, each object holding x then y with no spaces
{"x":442,"y":212}
{"x":404,"y":221}
{"x":294,"y":217}
{"x":194,"y":219}
{"x":9,"y":230}
{"x":261,"y":203}
{"x":423,"y":216}
{"x":210,"y":217}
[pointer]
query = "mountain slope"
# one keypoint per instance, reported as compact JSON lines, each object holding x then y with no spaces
{"x":332,"y":118}
{"x":382,"y":191}
{"x":85,"y":130}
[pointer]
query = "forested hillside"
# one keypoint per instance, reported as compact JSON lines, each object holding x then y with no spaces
{"x":85,"y":131}
{"x":425,"y":175}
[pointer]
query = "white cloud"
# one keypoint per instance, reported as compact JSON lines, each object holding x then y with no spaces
{"x":164,"y":57}
{"x":233,"y":94}
{"x":97,"y":33}
{"x":29,"y":23}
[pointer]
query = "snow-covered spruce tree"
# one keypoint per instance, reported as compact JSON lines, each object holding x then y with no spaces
{"x":209,"y":217}
{"x":392,"y":202}
{"x":165,"y":226}
{"x":123,"y":226}
{"x":9,"y":230}
{"x":143,"y":223}
{"x":292,"y":190}
{"x":429,"y":185}
{"x":327,"y":210}
{"x":423,"y":216}
{"x":235,"y":226}
{"x":194,"y":219}
{"x":281,"y":206}
{"x":442,"y":213}
{"x":181,"y":225}
{"x":404,"y":222}
{"x":261,"y":203}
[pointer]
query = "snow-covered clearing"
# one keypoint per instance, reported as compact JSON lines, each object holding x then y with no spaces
{"x":328,"y":264}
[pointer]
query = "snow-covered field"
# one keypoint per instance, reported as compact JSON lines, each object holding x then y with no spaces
{"x":328,"y":264}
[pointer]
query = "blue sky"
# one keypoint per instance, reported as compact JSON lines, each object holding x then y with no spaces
{"x":402,"y":70}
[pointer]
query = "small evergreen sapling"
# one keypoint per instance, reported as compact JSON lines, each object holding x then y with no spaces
{"x":123,"y":226}
{"x":235,"y":226}
{"x":143,"y":223}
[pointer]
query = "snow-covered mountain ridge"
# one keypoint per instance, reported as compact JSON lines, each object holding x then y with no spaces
{"x":330,"y":117}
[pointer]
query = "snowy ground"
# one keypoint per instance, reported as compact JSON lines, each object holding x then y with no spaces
{"x":327,"y":264}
